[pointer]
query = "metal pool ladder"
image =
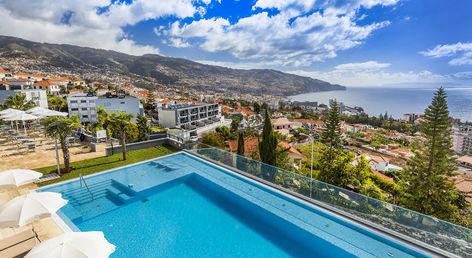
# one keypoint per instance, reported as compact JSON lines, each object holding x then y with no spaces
{"x":81,"y":178}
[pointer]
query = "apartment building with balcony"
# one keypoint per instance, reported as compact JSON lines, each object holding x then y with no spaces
{"x":84,"y":106}
{"x":189,"y":116}
{"x":462,"y":139}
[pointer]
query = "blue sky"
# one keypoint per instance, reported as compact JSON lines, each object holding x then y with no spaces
{"x":356,"y":43}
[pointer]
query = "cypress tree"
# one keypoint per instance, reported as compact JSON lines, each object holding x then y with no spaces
{"x":269,"y":142}
{"x":241,"y":144}
{"x":257,"y":107}
{"x":425,"y":182}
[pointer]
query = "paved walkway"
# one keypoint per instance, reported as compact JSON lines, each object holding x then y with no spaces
{"x":43,"y":156}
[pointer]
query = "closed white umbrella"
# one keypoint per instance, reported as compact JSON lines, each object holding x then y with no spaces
{"x":25,"y":209}
{"x":74,"y":245}
{"x":18,"y":177}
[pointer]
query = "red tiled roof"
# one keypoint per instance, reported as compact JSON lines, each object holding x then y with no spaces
{"x":22,"y":74}
{"x":250,"y":145}
{"x":465,"y":159}
{"x":290,"y":148}
{"x":464,"y":185}
{"x":43,"y":83}
{"x":309,"y":121}
{"x":18,"y":80}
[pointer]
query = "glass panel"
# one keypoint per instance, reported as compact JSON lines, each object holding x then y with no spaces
{"x":439,"y":233}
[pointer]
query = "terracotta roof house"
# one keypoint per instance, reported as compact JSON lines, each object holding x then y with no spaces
{"x":293,"y":153}
{"x":465,"y":185}
{"x":465,"y":160}
{"x":51,"y":87}
{"x":251,"y":146}
{"x":282,"y":123}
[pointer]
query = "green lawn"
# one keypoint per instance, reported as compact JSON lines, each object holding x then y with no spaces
{"x":90,"y":166}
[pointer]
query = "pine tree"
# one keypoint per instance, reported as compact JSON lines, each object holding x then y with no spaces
{"x":269,"y":142}
{"x":241,"y":144}
{"x":425,"y":182}
{"x":331,"y":134}
{"x":335,"y":165}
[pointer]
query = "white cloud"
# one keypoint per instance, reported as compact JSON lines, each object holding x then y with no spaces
{"x":178,"y":43}
{"x":293,"y":37}
{"x":43,"y":21}
{"x":371,"y":78}
{"x":369,"y":65}
{"x":461,"y":53}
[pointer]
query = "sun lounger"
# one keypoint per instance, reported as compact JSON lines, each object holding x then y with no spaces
{"x":18,"y":244}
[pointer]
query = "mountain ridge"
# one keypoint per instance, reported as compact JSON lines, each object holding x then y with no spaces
{"x":151,"y":70}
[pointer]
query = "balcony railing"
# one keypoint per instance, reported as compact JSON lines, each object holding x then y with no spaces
{"x":434,"y":234}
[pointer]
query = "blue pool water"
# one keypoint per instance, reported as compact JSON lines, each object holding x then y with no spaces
{"x":180,"y":206}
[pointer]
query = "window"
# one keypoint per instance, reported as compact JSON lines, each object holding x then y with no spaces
{"x":83,"y":101}
{"x":73,"y":101}
{"x":84,"y":109}
{"x":85,"y":116}
{"x":74,"y":109}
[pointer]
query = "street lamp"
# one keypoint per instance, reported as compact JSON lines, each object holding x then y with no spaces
{"x":311,"y":165}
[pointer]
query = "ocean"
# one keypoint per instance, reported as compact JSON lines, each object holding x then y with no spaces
{"x":395,"y":101}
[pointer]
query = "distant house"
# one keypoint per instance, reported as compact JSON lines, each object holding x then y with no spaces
{"x":22,"y":76}
{"x":49,"y":86}
{"x":309,"y":123}
{"x":17,"y":84}
{"x":60,"y":80}
{"x":465,"y":185}
{"x":293,"y":154}
{"x":465,"y":161}
{"x":282,"y":123}
{"x":78,"y":82}
{"x":4,"y":74}
{"x":251,"y":146}
{"x":381,"y":163}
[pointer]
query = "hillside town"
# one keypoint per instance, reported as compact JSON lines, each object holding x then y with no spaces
{"x":43,"y":114}
{"x":386,"y":143}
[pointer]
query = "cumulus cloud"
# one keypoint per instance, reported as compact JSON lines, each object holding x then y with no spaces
{"x":371,"y":78}
{"x":177,"y":42}
{"x":298,"y":35}
{"x":80,"y":22}
{"x":461,"y":53}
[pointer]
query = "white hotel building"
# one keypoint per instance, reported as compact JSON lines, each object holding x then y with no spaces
{"x":192,"y":119}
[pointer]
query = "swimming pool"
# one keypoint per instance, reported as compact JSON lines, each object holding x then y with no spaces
{"x":181,"y":206}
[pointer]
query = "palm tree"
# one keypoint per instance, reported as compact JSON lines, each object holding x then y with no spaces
{"x":57,"y":103}
{"x":19,"y":101}
{"x":60,"y":128}
{"x":118,"y":121}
